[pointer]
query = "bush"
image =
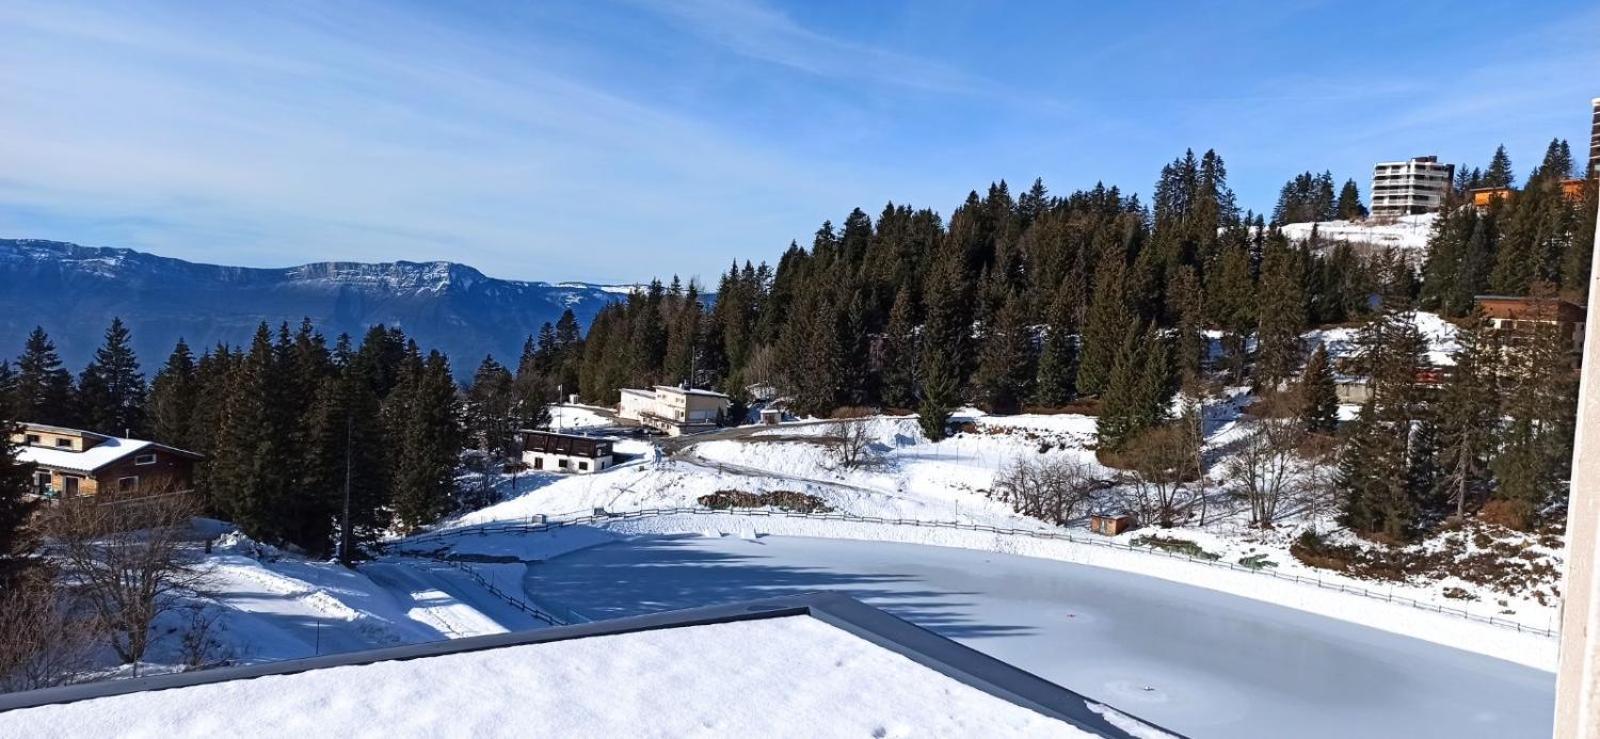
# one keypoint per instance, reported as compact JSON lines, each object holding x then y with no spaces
{"x":783,"y":500}
{"x":1181,"y":546}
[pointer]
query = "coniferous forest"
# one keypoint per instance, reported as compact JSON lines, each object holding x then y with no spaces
{"x":1094,"y":301}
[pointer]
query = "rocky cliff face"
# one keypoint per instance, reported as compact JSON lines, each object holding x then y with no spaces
{"x":74,"y":291}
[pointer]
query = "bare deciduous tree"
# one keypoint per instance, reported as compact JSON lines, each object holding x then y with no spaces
{"x":128,"y":561}
{"x":1050,"y":488}
{"x":1265,"y":465}
{"x":850,"y":436}
{"x":1161,"y":460}
{"x":44,"y":640}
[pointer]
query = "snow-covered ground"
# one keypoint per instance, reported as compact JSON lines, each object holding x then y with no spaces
{"x":779,"y":677}
{"x":1198,"y":661}
{"x":266,"y":605}
{"x":1439,"y":333}
{"x":1405,"y":234}
{"x":910,"y":478}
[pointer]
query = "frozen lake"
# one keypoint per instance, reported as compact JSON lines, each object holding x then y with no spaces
{"x":1200,"y":662}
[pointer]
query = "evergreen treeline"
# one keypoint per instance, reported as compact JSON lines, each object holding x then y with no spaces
{"x":283,"y":420}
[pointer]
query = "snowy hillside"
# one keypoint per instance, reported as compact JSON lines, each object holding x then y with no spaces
{"x":1406,"y":233}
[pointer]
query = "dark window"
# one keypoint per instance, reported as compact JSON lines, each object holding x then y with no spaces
{"x":538,"y":463}
{"x":145,"y":459}
{"x":32,"y":438}
{"x":563,"y":464}
{"x":63,"y":442}
{"x":69,"y":486}
{"x":583,"y":466}
{"x":127,"y":484}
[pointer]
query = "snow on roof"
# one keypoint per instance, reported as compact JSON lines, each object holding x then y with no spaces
{"x":89,"y":460}
{"x":690,"y":391}
{"x":639,"y":391}
{"x":781,"y":676}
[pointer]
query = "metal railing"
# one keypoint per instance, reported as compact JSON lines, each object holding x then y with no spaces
{"x":518,"y":602}
{"x":540,"y":524}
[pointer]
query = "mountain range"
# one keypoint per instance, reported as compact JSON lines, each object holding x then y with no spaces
{"x":74,"y":291}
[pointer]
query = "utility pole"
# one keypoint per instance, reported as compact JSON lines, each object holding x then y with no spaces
{"x":344,"y":523}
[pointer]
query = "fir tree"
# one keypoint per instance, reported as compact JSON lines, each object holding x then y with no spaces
{"x":1139,"y":391}
{"x":1319,"y":399}
{"x":428,"y":445}
{"x":1469,"y":419}
{"x":490,"y":408}
{"x":173,"y":396}
{"x":1378,"y":477}
{"x":111,"y":391}
{"x":1106,"y":328}
{"x":16,"y":510}
{"x":1005,"y":370}
{"x":44,"y":392}
{"x":1349,"y":206}
{"x":1499,"y":173}
{"x":899,"y":357}
{"x":1281,"y":315}
{"x":1055,"y":384}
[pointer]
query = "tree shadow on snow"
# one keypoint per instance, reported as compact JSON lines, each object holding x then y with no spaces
{"x":666,"y":573}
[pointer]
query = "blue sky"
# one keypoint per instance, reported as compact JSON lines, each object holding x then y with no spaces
{"x":617,"y":140}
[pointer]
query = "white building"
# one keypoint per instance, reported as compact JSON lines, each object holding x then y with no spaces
{"x":542,"y":450}
{"x":674,"y":410}
{"x":1416,"y":185}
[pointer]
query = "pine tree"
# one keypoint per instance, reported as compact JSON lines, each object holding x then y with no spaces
{"x":1499,"y":173}
{"x":1188,"y":307}
{"x":1005,"y":370}
{"x":16,"y":510}
{"x":490,"y":407}
{"x":252,"y":451}
{"x":899,"y":355}
{"x":1379,"y":481}
{"x":1231,"y":296}
{"x":1281,"y":315}
{"x":173,"y":396}
{"x":1469,"y":418}
{"x":44,"y":392}
{"x":111,"y":391}
{"x":1319,"y":399}
{"x":1350,"y":207}
{"x":1105,"y":331}
{"x":1540,"y":421}
{"x":1139,"y":391}
{"x":428,"y":443}
{"x":346,"y":447}
{"x":1055,"y":384}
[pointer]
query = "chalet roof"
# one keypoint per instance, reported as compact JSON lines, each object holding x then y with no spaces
{"x":691,"y":391}
{"x":63,"y":430}
{"x":551,"y":442}
{"x":110,"y":449}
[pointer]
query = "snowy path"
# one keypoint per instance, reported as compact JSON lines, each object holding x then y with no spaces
{"x":1202,"y":662}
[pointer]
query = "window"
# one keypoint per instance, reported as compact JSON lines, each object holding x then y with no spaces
{"x":42,"y":481}
{"x":32,"y":438}
{"x":127,"y":484}
{"x":144,"y":459}
{"x":583,"y":466}
{"x":63,"y":443}
{"x":563,"y":464}
{"x":538,"y":463}
{"x":69,"y":486}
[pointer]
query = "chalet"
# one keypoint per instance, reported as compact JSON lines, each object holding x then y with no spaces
{"x":1574,"y":191}
{"x":543,"y":450}
{"x":1516,"y":316}
{"x":72,"y":462}
{"x":674,"y":410}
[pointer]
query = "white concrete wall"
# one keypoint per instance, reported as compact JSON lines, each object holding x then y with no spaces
{"x":552,"y":462}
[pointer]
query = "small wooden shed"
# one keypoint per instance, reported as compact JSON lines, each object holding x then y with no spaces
{"x":1110,"y":524}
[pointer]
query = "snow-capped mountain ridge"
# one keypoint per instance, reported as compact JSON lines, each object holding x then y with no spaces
{"x":73,"y":291}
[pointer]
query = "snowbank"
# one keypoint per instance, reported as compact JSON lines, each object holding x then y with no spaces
{"x":791,"y":676}
{"x":1407,"y":233}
